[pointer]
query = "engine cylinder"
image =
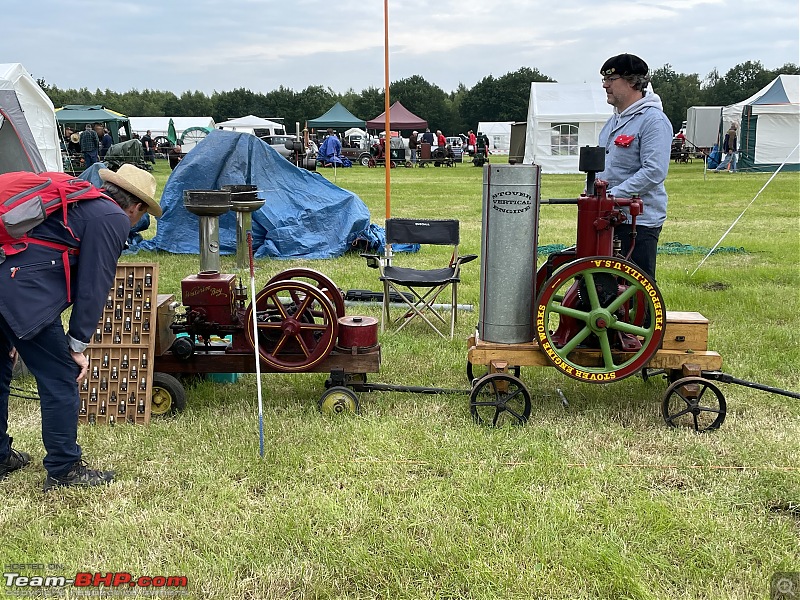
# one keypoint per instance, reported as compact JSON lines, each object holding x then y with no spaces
{"x":508,"y":252}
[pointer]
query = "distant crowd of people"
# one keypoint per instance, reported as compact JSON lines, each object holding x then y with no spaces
{"x":91,"y":144}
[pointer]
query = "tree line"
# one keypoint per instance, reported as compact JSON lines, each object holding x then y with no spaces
{"x":502,"y":98}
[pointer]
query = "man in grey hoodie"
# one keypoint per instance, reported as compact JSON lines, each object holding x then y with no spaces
{"x":637,"y":139}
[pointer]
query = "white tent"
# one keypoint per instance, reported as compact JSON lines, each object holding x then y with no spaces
{"x":158,"y":126}
{"x":702,"y":125}
{"x":499,"y":134}
{"x":25,"y":106}
{"x":783,"y":88}
{"x":769,"y":132}
{"x":253,"y":125}
{"x":562,"y":117}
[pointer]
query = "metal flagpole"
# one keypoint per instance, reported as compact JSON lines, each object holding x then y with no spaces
{"x":255,"y":347}
{"x":387,"y":153}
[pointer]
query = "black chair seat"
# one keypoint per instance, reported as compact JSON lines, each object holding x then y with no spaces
{"x":425,"y":300}
{"x":422,"y":278}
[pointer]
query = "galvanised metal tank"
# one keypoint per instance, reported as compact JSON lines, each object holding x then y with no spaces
{"x":508,"y":252}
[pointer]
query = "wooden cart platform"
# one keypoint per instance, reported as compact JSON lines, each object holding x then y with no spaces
{"x":685,"y":345}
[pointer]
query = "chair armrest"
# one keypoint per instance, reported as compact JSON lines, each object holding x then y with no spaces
{"x":466,"y":258}
{"x":373,"y":260}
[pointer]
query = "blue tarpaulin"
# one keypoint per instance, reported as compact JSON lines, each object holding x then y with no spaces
{"x":304,"y":215}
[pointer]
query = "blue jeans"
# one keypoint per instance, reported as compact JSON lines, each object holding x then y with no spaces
{"x":48,"y":358}
{"x":90,"y":158}
{"x":730,"y":159}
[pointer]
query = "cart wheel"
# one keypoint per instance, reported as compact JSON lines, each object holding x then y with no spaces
{"x":478,"y":371}
{"x":392,"y":164}
{"x":694,"y":402}
{"x":409,"y":164}
{"x":598,"y":303}
{"x":160,"y":143}
{"x":338,"y":399}
{"x":500,"y":399}
{"x":167,"y":397}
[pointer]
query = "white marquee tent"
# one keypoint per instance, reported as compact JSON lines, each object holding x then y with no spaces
{"x":159,"y":125}
{"x":562,"y":117}
{"x":769,"y":129}
{"x":499,"y":134}
{"x":24,"y":105}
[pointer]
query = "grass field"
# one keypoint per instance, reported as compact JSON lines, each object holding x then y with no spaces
{"x":411,"y":499}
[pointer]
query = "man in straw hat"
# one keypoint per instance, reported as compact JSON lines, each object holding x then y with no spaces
{"x":34,"y":293}
{"x":637,"y":139}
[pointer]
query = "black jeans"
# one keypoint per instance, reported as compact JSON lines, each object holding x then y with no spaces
{"x":644,"y":252}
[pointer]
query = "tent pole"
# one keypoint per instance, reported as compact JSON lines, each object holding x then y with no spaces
{"x":386,"y":146}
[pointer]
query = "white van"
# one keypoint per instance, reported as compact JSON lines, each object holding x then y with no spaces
{"x":253,"y":125}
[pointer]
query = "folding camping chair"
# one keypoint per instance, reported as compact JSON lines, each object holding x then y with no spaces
{"x":425,"y":285}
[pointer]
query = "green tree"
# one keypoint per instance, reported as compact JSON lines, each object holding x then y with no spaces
{"x":503,"y":99}
{"x":234,"y":104}
{"x":677,"y":92}
{"x":739,"y":83}
{"x":369,"y":104}
{"x":312,"y":102}
{"x":193,"y":104}
{"x":424,"y":99}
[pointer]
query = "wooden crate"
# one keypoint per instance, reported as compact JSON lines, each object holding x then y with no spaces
{"x":685,"y":331}
{"x":118,"y":386}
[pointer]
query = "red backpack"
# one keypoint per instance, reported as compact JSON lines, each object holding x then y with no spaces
{"x":27,"y":199}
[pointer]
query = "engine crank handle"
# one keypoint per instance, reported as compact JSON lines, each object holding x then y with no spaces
{"x":726,"y":378}
{"x":560,"y":201}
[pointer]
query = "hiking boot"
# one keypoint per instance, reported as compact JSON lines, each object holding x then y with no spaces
{"x":79,"y":475}
{"x":15,"y":460}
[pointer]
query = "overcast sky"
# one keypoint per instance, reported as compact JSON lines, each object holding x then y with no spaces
{"x":216,"y":45}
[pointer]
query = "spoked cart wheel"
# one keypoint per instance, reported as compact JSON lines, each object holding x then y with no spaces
{"x":599,"y":304}
{"x":297,"y":325}
{"x":694,"y":402}
{"x":337,"y":400}
{"x":500,"y":399}
{"x":478,"y":371}
{"x":168,"y":396}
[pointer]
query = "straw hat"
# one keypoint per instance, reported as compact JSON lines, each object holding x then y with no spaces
{"x":137,"y":181}
{"x":75,"y":138}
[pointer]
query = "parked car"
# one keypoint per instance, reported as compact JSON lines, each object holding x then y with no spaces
{"x":357,"y":150}
{"x":278,"y":142}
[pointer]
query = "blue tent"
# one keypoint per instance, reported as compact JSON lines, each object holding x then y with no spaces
{"x":304,"y":216}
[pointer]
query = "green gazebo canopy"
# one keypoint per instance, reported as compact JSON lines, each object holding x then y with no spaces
{"x":338,"y":117}
{"x":77,"y":115}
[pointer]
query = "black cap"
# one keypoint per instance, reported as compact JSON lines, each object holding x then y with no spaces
{"x":624,"y":65}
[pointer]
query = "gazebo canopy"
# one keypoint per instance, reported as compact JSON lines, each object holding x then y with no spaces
{"x":399,"y":118}
{"x":337,"y":117}
{"x":76,"y":115}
